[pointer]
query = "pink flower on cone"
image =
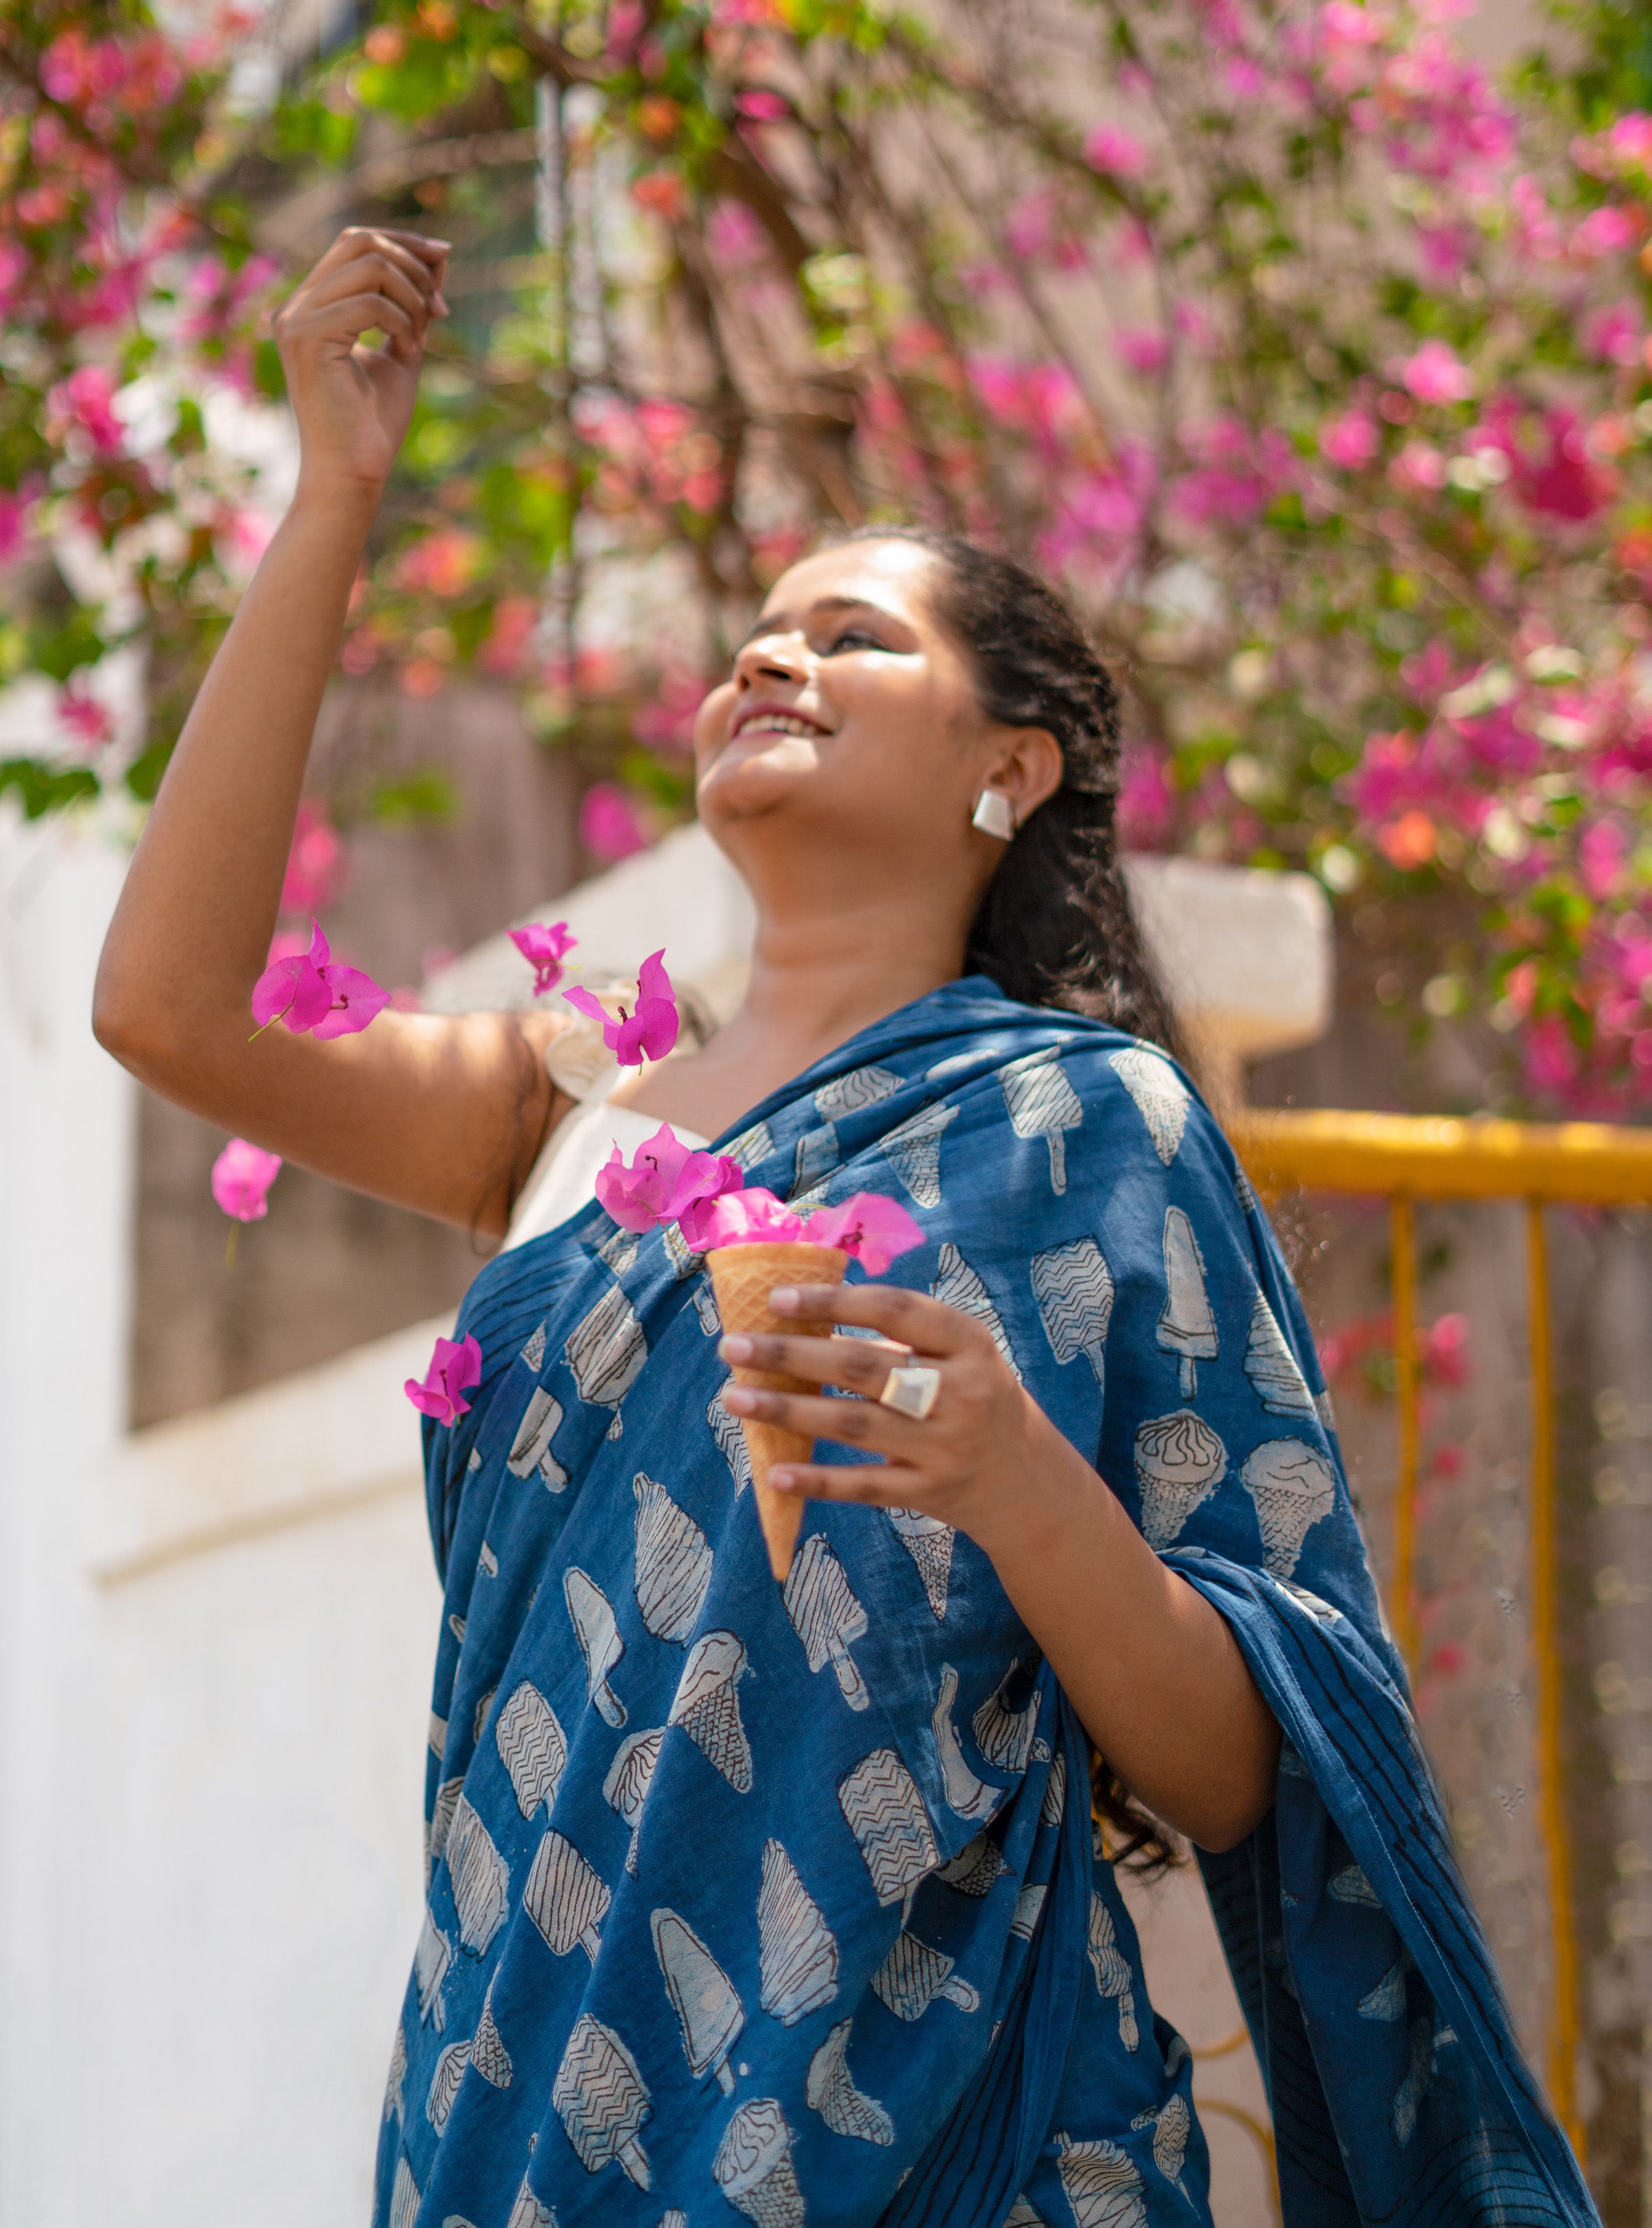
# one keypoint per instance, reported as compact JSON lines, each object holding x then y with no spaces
{"x":869,"y":1228}
{"x":455,"y":1367}
{"x":665,"y":1182}
{"x":544,"y":949}
{"x":746,"y":1218}
{"x":316,"y":992}
{"x":242,"y":1177}
{"x":647,"y":1033}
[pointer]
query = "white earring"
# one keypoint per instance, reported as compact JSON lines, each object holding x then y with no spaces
{"x":994,"y":815}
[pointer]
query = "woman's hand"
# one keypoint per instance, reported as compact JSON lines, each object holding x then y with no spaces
{"x":963,"y":1463}
{"x":353,"y":404}
{"x":1152,"y":1669}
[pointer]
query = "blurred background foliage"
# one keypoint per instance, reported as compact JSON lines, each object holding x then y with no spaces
{"x":1310,"y":361}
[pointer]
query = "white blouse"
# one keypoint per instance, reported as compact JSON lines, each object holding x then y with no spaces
{"x":564,"y":1177}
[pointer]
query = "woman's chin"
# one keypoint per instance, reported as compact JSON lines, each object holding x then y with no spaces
{"x":752,"y":788}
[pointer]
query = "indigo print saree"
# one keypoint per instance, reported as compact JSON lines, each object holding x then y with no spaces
{"x":783,"y":1905}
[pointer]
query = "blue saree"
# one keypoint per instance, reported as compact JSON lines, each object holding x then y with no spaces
{"x":784,"y":1903}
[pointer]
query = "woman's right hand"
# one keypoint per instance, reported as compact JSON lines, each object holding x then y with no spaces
{"x":353,"y":404}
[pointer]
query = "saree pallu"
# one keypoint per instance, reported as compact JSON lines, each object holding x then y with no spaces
{"x":784,"y":1903}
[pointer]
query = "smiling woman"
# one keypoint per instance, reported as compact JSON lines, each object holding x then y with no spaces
{"x":706,"y":1927}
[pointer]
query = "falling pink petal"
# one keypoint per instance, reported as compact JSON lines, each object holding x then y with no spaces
{"x":646,"y":1030}
{"x":544,"y":949}
{"x":870,"y":1227}
{"x":242,"y":1177}
{"x":746,"y":1218}
{"x":455,"y":1367}
{"x":314,"y":992}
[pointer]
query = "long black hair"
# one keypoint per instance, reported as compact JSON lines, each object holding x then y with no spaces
{"x":1055,"y":927}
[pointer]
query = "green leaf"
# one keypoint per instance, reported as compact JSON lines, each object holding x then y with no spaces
{"x":42,"y":789}
{"x":425,"y":795}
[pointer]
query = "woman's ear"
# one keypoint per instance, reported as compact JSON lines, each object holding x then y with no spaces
{"x":1029,"y":771}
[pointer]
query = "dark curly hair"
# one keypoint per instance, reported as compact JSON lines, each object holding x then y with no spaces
{"x":1055,"y":927}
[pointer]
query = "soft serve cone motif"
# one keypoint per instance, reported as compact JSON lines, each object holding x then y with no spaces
{"x":743,"y":1276}
{"x":754,"y":2165}
{"x":1293,"y":1487}
{"x":929,"y":1542}
{"x":707,"y":1706}
{"x":1179,"y":1464}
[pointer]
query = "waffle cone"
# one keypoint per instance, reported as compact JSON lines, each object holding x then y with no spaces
{"x":743,"y":1276}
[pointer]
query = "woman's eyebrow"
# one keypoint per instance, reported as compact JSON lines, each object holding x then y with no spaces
{"x":775,"y":622}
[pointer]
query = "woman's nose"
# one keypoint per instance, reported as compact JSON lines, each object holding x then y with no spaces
{"x":773,"y":657}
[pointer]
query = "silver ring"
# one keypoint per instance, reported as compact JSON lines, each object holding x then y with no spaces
{"x":912,"y":1393}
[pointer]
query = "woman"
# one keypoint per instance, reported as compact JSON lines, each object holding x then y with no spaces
{"x":787,"y":1901}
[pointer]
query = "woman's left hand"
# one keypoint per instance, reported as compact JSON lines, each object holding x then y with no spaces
{"x":983,"y":1439}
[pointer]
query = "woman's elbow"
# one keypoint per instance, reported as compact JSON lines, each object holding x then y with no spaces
{"x":131,"y":1030}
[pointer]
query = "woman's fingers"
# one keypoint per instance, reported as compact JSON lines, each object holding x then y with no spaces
{"x":359,"y":313}
{"x":858,"y":1365}
{"x":911,"y":1318}
{"x":375,"y":275}
{"x":877,"y":1485}
{"x":812,"y":1416}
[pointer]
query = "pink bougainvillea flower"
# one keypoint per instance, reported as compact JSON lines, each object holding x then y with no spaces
{"x":1351,"y":440}
{"x":746,"y":1218}
{"x":1116,"y":154}
{"x":544,"y":949}
{"x":1144,"y":349}
{"x":649,"y":1029}
{"x":609,"y":826}
{"x":1436,"y":374}
{"x":316,"y":992}
{"x":666,"y":1181}
{"x":86,"y":717}
{"x":455,"y":1367}
{"x":315,"y":863}
{"x":242,"y":1177}
{"x":869,"y":1228}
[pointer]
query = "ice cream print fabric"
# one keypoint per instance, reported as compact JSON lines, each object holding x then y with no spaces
{"x":780,"y":1903}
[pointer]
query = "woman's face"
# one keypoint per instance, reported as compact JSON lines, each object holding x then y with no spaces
{"x":850,"y":719}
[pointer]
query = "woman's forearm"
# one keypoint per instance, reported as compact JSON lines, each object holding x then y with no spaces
{"x":202,"y":894}
{"x":1154,"y":1671}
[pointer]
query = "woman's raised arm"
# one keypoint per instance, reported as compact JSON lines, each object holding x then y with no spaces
{"x":445,"y":1115}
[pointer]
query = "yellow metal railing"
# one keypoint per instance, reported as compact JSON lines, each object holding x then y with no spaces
{"x":1407,"y":1158}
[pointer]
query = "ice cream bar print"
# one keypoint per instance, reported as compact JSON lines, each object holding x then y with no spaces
{"x":913,"y":1975}
{"x":600,"y":1642}
{"x":886,"y":1816}
{"x":673,"y":1563}
{"x":480,"y":1881}
{"x":606,"y":1350}
{"x":1073,"y":1287}
{"x":1101,"y":2184}
{"x":531,"y":1451}
{"x":599,"y":2098}
{"x":827,"y":1616}
{"x":913,"y":1151}
{"x":1042,"y":1104}
{"x":1271,"y":1366}
{"x":531,"y":1748}
{"x":969,"y":1796}
{"x":1161,"y":1096}
{"x":1187,"y":1326}
{"x":702,"y":1996}
{"x":1112,"y":1973}
{"x":958,"y":1285}
{"x":797,"y":1951}
{"x":565,"y":1897}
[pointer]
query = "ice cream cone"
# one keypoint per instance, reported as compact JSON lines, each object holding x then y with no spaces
{"x":743,"y":1276}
